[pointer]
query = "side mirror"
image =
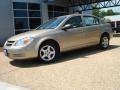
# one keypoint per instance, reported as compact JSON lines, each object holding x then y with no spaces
{"x":67,"y":26}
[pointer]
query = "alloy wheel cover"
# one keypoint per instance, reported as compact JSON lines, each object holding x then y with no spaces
{"x":47,"y":53}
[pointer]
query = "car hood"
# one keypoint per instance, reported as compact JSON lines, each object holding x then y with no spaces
{"x":34,"y":33}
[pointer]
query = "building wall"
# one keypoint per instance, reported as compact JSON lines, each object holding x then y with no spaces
{"x":6,"y":20}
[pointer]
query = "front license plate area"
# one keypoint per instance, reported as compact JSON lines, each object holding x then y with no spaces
{"x":5,"y":52}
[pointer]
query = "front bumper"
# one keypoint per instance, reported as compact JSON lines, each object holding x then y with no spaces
{"x":20,"y":53}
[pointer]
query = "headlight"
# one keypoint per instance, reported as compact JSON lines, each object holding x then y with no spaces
{"x":23,"y":42}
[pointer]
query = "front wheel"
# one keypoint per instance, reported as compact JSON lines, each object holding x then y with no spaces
{"x":104,"y":42}
{"x":48,"y":52}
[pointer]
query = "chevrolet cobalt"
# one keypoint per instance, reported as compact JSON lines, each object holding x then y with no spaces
{"x":58,"y":35}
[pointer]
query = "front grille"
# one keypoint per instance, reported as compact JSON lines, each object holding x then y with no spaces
{"x":10,"y":43}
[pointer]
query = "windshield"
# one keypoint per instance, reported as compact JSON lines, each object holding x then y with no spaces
{"x":51,"y":24}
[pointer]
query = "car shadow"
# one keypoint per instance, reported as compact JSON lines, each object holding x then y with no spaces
{"x":67,"y":56}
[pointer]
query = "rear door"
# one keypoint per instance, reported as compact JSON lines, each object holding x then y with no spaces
{"x":91,"y":29}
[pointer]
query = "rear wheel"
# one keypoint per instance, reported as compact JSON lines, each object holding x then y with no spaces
{"x":104,"y":42}
{"x":48,"y":52}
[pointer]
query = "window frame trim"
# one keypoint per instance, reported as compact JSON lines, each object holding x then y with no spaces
{"x":72,"y":17}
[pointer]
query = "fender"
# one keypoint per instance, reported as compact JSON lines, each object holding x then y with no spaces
{"x":42,"y":40}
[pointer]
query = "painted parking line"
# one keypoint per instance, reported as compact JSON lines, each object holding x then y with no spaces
{"x":6,"y":86}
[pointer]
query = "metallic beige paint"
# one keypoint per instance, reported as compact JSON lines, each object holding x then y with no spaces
{"x":67,"y":40}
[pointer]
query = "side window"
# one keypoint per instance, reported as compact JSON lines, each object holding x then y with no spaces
{"x":75,"y":22}
{"x":89,"y":20}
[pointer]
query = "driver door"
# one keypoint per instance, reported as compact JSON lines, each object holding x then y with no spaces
{"x":73,"y":37}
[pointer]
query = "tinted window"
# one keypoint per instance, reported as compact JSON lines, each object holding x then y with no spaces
{"x":58,"y":8}
{"x":27,"y":16}
{"x":32,"y":6}
{"x":21,"y":31}
{"x":50,"y":8}
{"x":118,"y":24}
{"x":21,"y":23}
{"x":34,"y":22}
{"x":56,"y":14}
{"x":55,"y":11}
{"x":89,"y":20}
{"x":19,"y":5}
{"x":66,"y":9}
{"x":20,"y":13}
{"x":50,"y":14}
{"x":34,"y":13}
{"x":75,"y":21}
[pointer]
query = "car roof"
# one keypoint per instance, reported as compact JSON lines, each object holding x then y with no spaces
{"x":79,"y":15}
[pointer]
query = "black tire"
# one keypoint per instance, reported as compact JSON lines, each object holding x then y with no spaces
{"x":53,"y":46}
{"x":104,"y":42}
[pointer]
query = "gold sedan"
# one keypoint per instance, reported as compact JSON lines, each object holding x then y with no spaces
{"x":59,"y":35}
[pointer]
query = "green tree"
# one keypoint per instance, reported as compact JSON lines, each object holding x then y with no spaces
{"x":101,"y":13}
{"x":96,"y":12}
{"x":110,"y":12}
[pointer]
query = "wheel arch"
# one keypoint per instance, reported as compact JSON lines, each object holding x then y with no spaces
{"x":47,"y":40}
{"x":105,"y":33}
